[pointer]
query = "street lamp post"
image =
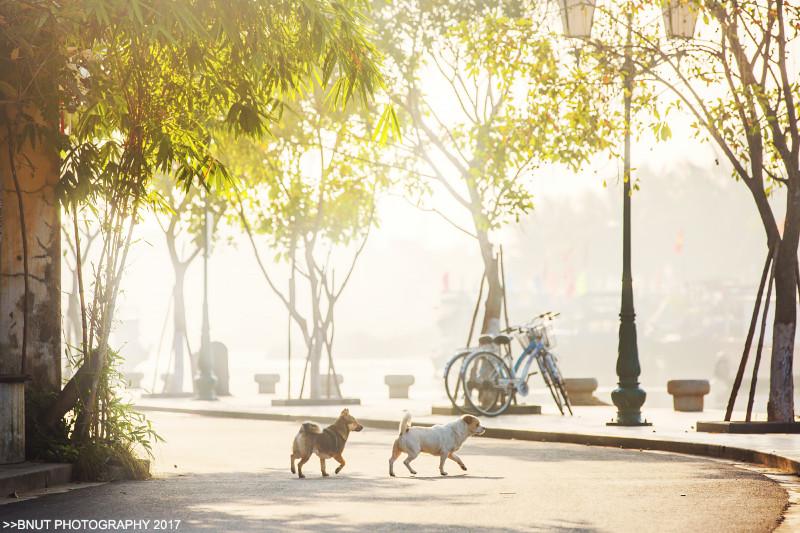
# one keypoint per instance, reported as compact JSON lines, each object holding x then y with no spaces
{"x":628,"y":396}
{"x":205,"y":380}
{"x":679,"y":20}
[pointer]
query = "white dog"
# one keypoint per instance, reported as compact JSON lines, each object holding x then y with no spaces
{"x":441,"y":440}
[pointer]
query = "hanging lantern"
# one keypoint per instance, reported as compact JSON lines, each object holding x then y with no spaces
{"x":577,"y":17}
{"x":680,"y":18}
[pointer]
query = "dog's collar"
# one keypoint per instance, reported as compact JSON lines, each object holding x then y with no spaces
{"x":340,"y":435}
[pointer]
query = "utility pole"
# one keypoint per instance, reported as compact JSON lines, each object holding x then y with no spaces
{"x":205,"y":380}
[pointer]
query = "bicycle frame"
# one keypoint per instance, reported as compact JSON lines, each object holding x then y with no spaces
{"x":529,"y":354}
{"x":518,"y":379}
{"x":508,"y":378}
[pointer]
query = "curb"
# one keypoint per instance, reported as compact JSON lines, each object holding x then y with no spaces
{"x":716,"y":451}
{"x":244,"y":415}
{"x":26,"y":477}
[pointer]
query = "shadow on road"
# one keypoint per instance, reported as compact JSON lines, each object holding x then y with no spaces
{"x":244,"y":501}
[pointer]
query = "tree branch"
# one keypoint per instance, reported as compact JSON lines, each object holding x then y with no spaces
{"x":301,"y":321}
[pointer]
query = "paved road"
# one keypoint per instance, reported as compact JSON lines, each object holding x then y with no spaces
{"x":233,"y":475}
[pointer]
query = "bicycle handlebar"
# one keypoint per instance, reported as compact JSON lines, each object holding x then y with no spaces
{"x":549,"y":315}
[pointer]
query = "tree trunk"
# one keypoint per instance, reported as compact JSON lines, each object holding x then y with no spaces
{"x":315,"y":353}
{"x":780,"y":407}
{"x":317,"y":335}
{"x":74,"y":329}
{"x":37,"y":172}
{"x":493,"y":304}
{"x":73,"y":325}
{"x":175,"y":384}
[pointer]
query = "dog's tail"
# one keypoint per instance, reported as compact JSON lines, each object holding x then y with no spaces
{"x":405,"y":423}
{"x":310,"y":427}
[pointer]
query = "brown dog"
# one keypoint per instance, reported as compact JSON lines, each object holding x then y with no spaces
{"x":328,"y":442}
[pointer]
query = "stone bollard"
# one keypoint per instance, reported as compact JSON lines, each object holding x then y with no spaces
{"x":398,"y":384}
{"x":266,"y":382}
{"x":687,"y":394}
{"x":133,"y":380}
{"x":327,"y":386}
{"x":219,"y":354}
{"x":581,"y":391}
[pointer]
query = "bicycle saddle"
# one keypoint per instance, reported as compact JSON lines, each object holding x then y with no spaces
{"x":496,"y":339}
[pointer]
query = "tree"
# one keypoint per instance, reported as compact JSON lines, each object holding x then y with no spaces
{"x":182,"y":221}
{"x":310,"y":191}
{"x":99,"y":96}
{"x":519,"y":106}
{"x":88,"y":235}
{"x":736,"y":84}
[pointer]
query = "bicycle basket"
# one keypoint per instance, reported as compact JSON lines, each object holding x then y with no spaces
{"x":544,"y":334}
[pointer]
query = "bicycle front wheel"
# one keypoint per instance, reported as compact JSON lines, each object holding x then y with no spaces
{"x":488,"y":383}
{"x":549,"y":381}
{"x":558,"y":381}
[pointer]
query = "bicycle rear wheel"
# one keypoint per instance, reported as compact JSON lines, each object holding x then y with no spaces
{"x":454,"y":384}
{"x":488,"y":383}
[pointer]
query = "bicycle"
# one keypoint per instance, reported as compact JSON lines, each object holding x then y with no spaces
{"x":486,"y":383}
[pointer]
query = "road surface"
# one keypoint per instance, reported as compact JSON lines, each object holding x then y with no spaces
{"x":233,"y":475}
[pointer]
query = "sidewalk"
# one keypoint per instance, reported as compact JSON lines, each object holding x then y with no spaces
{"x":671,"y":431}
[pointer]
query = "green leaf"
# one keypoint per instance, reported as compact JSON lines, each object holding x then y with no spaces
{"x":387,"y":126}
{"x":666,"y":132}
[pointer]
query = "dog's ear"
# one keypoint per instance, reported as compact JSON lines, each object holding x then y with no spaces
{"x":469,"y":419}
{"x":345,"y":412}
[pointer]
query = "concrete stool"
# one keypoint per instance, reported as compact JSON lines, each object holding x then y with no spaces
{"x":327,"y":386}
{"x":266,"y":382}
{"x":581,"y":391}
{"x":398,"y":384}
{"x":133,"y":380}
{"x":687,"y":394}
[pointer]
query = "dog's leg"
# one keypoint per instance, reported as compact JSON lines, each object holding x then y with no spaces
{"x":296,"y":452}
{"x":395,"y":455}
{"x":322,"y":467}
{"x":457,"y":459}
{"x":303,"y":460}
{"x":442,"y":459}
{"x":340,"y":460}
{"x":411,"y":456}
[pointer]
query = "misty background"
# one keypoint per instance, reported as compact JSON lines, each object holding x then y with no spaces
{"x":698,"y":251}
